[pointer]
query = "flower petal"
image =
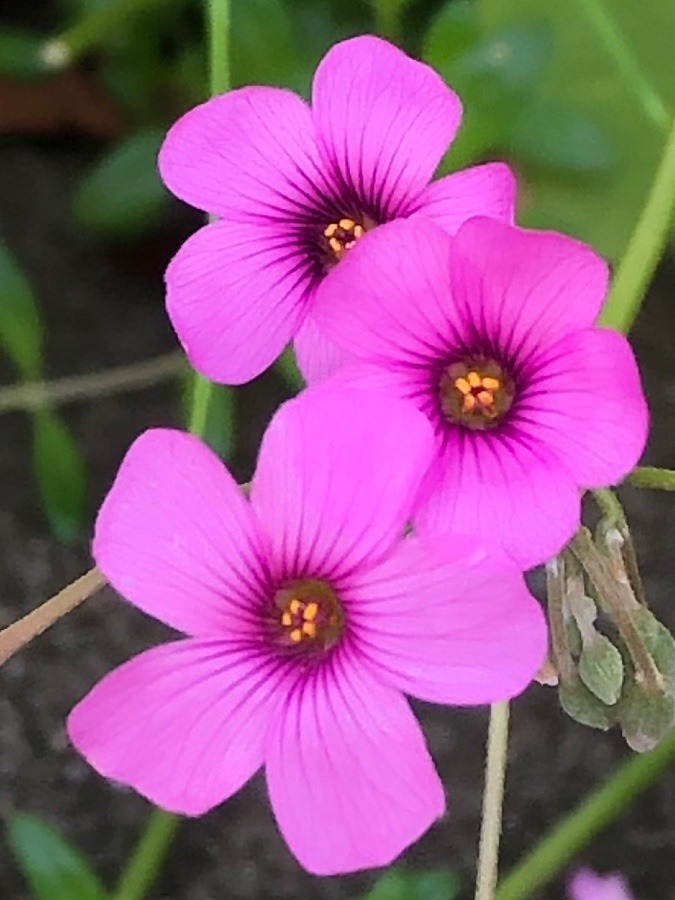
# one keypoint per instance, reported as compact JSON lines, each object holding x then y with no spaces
{"x":511,"y":493}
{"x":587,"y":885}
{"x":236,"y":293}
{"x":317,"y":355}
{"x":350,"y":778}
{"x":383,"y":121}
{"x":184,"y":724}
{"x":337,"y":478}
{"x":587,"y":403}
{"x":486,"y":190}
{"x":443,"y":621}
{"x":389,"y":299}
{"x":524,"y":289}
{"x":248,"y":155}
{"x":176,"y":537}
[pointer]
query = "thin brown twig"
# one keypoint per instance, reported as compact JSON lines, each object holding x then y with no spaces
{"x":21,"y":632}
{"x":135,"y":377}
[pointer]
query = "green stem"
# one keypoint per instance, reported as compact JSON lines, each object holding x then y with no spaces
{"x":202,"y":390}
{"x":387,"y":18}
{"x":146,"y":860}
{"x":651,"y":477}
{"x":615,"y":44}
{"x":94,"y":28}
{"x":598,"y":810}
{"x":219,"y":82}
{"x":149,"y":855}
{"x":493,"y":800}
{"x":645,"y":246}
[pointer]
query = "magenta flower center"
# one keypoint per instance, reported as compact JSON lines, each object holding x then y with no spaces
{"x":340,"y":236}
{"x":307,"y":614}
{"x":476,"y":393}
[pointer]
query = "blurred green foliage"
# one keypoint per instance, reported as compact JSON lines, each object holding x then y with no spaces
{"x":53,"y":867}
{"x":557,"y":89}
{"x":401,"y":884}
{"x":59,"y":467}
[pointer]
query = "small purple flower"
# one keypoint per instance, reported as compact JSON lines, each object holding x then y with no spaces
{"x":307,"y":616}
{"x":295,"y":188}
{"x":587,"y":885}
{"x":491,"y":334}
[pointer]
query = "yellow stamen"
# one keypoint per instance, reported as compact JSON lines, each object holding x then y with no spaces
{"x":358,"y":231}
{"x":309,"y":629}
{"x":346,"y":224}
{"x":310,"y":612}
{"x":462,"y":385}
{"x":469,"y":403}
{"x":474,"y":379}
{"x":295,"y":606}
{"x":296,"y":635}
{"x":485,"y":398}
{"x":287,"y":619}
{"x":491,"y":384}
{"x":330,"y":230}
{"x":335,"y":245}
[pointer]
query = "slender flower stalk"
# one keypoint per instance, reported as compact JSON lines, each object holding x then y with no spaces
{"x":595,"y":812}
{"x":493,"y":801}
{"x":645,"y":246}
{"x":20,"y":633}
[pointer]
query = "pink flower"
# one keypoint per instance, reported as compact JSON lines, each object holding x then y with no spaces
{"x":586,"y":885}
{"x":307,"y":617}
{"x":294,"y":189}
{"x":491,"y":335}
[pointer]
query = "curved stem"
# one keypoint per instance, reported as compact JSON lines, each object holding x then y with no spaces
{"x":615,"y":44}
{"x":146,"y":860}
{"x":92,"y":29}
{"x":652,"y":477}
{"x":493,"y":798}
{"x":20,"y":633}
{"x":645,"y":246}
{"x":600,"y":808}
{"x":135,"y":377}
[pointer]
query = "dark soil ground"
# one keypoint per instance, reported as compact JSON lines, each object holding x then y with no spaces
{"x":103,"y":307}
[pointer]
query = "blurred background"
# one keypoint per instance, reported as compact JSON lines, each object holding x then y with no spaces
{"x":575,"y":95}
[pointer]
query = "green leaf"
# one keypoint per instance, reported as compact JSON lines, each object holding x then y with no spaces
{"x":401,"y":884}
{"x":510,"y":61}
{"x":21,"y":53}
{"x":583,"y":706}
{"x":583,"y":77}
{"x":645,"y":717}
{"x":550,"y":134}
{"x":20,"y":323}
{"x":61,"y":475}
{"x":264,"y":49}
{"x":453,"y":30}
{"x":52,"y":866}
{"x":601,"y":669}
{"x":492,"y":73}
{"x":122,"y":196}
